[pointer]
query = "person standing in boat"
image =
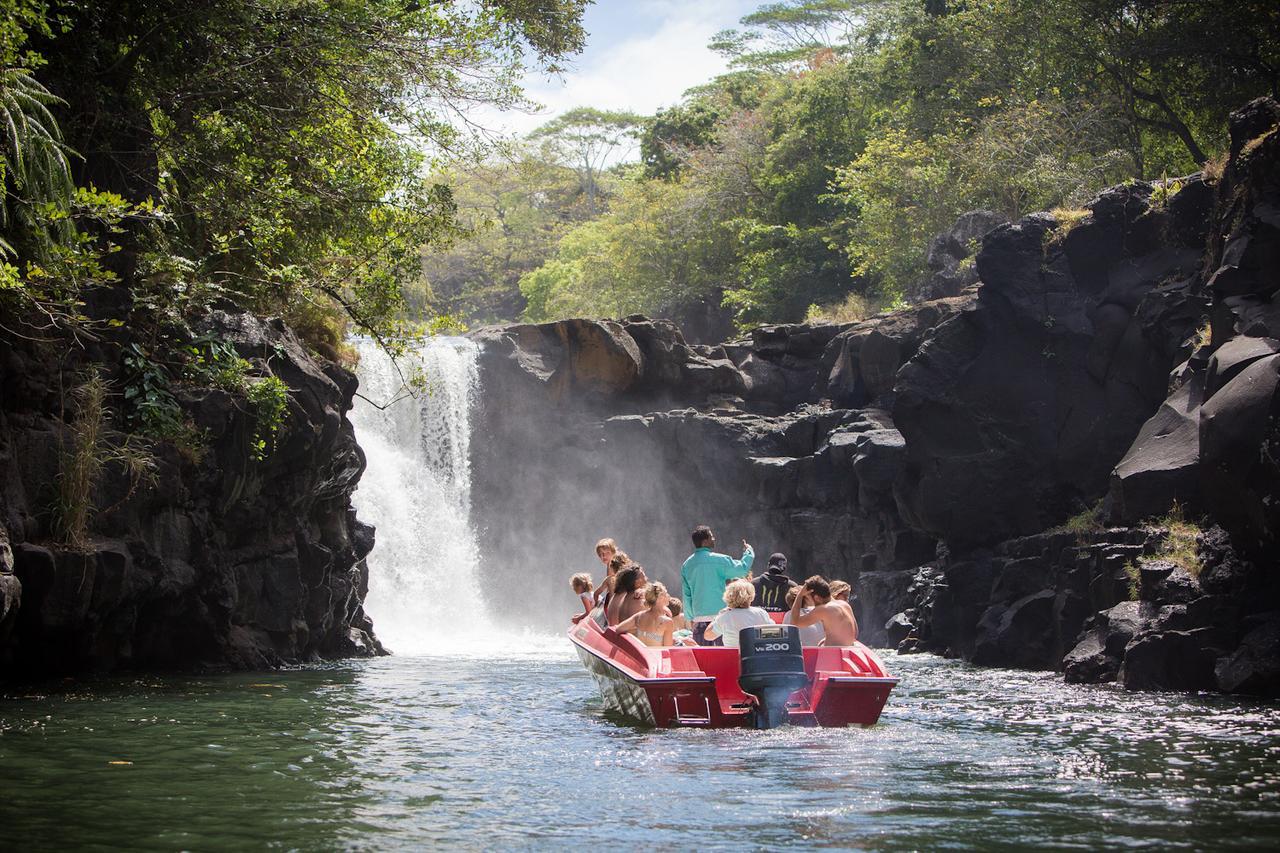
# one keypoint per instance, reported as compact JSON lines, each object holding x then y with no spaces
{"x":703,"y":577}
{"x":772,"y":586}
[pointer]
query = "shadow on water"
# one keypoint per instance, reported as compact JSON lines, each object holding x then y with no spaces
{"x":488,"y":752}
{"x":168,"y":763}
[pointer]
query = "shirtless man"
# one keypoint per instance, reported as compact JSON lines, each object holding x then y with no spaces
{"x":836,"y":617}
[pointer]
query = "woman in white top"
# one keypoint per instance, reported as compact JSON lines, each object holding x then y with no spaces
{"x":738,"y":615}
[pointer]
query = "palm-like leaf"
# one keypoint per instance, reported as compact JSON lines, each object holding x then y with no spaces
{"x":33,"y":157}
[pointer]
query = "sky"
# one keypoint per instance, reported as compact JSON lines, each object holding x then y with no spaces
{"x":640,"y":55}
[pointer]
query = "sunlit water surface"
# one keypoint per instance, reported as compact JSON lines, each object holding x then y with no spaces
{"x":482,"y":752}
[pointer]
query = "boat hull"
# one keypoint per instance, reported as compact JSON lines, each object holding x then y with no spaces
{"x":698,"y":687}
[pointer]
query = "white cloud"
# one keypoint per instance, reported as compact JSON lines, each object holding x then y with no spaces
{"x":643,"y":72}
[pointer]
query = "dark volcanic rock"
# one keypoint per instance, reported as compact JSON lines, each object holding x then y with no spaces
{"x":224,"y":560}
{"x":1254,"y":667}
{"x":1162,"y":465}
{"x":1018,"y":407}
{"x":951,"y":253}
{"x":1097,"y":657}
{"x":1211,"y":445}
{"x":1171,"y":660}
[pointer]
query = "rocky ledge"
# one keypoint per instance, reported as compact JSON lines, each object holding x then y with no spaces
{"x":221,"y":560}
{"x":932,"y":455}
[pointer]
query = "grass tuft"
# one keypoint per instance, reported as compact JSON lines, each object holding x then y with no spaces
{"x":1084,"y":522}
{"x":855,"y":307}
{"x":1214,"y":167}
{"x":1065,"y":221}
{"x":1179,"y":547}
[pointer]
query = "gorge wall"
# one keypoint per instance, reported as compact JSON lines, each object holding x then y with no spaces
{"x":1104,"y":364}
{"x":221,"y":559}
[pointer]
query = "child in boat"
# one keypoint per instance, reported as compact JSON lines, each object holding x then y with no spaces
{"x":738,"y":615}
{"x":810,"y":635}
{"x":652,"y":626}
{"x":676,"y":609}
{"x":606,"y":549}
{"x":836,"y":617}
{"x":616,"y":563}
{"x":582,"y":585}
{"x":628,"y":594}
{"x":683,"y":631}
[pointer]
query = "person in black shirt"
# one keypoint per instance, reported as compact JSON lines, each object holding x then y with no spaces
{"x":771,"y":587}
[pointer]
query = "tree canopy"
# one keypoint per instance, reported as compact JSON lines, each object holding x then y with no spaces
{"x":848,"y":132}
{"x":276,"y":152}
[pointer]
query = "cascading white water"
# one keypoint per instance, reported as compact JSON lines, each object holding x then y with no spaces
{"x":424,"y":587}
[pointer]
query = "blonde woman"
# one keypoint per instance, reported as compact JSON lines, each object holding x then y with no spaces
{"x":738,"y":615}
{"x":840,"y":591}
{"x":652,"y":626}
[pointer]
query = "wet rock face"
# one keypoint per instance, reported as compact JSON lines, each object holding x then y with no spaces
{"x":738,"y":436}
{"x":1025,"y":602}
{"x":224,"y":561}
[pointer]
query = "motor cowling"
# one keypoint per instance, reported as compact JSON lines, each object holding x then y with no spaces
{"x":772,"y":668}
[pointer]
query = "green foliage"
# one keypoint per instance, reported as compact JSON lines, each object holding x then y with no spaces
{"x":1065,"y":219}
{"x":646,"y":255}
{"x":514,"y":211}
{"x":672,"y":133}
{"x":588,"y":140}
{"x":65,"y":250}
{"x":901,"y":192}
{"x":268,"y":399}
{"x":284,"y":146}
{"x":854,"y":308}
{"x":1164,"y":191}
{"x":155,"y":411}
{"x":849,"y":132}
{"x":33,"y":159}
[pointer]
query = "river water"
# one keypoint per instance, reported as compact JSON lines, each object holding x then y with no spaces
{"x":485,"y":734}
{"x":484,"y":752}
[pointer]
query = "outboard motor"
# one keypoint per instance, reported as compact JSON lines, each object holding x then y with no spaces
{"x":772,"y":669}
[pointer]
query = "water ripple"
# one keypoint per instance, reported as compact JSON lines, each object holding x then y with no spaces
{"x":481,"y":752}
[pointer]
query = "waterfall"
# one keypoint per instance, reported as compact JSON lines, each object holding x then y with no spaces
{"x":424,"y":583}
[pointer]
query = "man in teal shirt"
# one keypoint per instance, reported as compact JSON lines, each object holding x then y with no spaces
{"x":702,"y":580}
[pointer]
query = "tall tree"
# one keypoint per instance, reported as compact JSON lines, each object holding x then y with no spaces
{"x":590,"y":140}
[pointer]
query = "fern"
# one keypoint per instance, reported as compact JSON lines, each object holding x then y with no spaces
{"x":33,"y":158}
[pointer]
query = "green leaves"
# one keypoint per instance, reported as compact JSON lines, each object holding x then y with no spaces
{"x":33,"y":159}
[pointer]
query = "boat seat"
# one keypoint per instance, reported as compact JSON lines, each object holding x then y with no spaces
{"x":725,"y":666}
{"x":679,"y":662}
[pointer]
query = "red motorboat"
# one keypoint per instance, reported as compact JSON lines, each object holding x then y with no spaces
{"x":772,"y":680}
